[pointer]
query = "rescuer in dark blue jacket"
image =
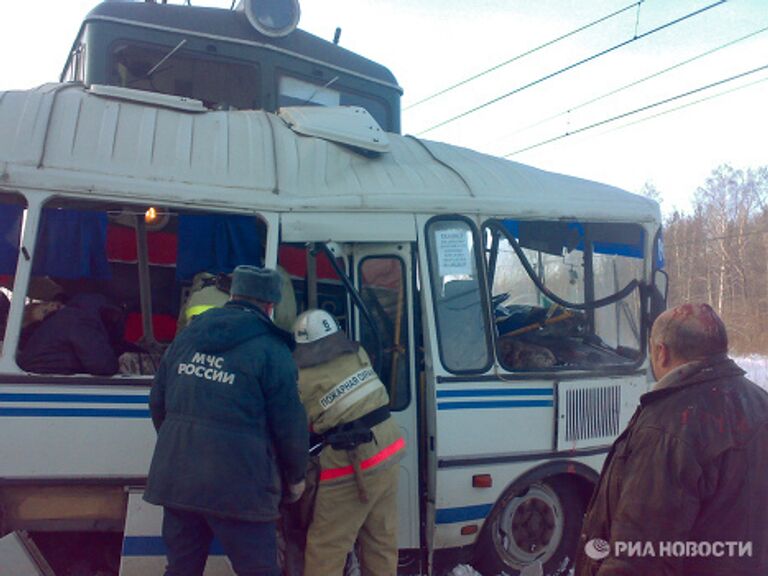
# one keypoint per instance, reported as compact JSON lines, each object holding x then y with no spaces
{"x":232,"y":433}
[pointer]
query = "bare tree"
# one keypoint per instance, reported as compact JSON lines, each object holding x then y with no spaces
{"x":719,"y":252}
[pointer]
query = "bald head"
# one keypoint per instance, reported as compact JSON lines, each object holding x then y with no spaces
{"x":690,"y":332}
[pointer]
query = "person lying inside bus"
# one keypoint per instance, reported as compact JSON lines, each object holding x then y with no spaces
{"x":83,"y":337}
{"x":34,"y":314}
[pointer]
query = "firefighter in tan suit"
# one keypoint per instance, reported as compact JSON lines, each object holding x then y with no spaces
{"x":347,"y":407}
{"x":212,"y":291}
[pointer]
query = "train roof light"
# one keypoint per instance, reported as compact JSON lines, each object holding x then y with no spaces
{"x":274,"y":18}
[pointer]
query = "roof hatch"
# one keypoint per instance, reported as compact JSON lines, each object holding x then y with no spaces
{"x":349,"y":125}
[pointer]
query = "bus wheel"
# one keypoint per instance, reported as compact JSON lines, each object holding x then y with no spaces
{"x":540,"y":523}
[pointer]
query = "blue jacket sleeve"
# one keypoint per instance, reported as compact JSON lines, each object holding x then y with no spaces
{"x":286,"y":417}
{"x":157,"y":395}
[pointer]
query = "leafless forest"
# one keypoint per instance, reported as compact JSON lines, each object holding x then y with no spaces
{"x":718,"y":252}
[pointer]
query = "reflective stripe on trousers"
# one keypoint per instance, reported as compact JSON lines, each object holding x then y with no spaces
{"x":382,"y":456}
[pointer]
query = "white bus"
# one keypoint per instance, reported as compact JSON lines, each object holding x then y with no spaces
{"x":506,"y":308}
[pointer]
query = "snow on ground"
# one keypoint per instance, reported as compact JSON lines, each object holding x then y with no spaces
{"x":756,"y":367}
{"x":534,"y":569}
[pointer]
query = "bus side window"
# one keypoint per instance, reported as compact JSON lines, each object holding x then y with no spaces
{"x":71,"y":326}
{"x":383,"y":292}
{"x":101,"y":257}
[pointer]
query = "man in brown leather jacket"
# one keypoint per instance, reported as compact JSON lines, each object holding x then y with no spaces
{"x":684,"y":490}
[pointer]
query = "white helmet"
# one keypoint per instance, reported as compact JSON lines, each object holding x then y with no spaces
{"x":313,"y":325}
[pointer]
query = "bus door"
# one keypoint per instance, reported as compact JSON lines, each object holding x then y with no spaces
{"x":383,"y":278}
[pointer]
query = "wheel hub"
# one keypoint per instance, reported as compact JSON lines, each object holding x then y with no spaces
{"x":533,"y":525}
{"x":530,"y":527}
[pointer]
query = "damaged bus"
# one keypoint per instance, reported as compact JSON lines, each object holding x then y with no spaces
{"x":506,"y":308}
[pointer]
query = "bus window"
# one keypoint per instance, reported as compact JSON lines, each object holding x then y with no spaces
{"x":12,"y":212}
{"x":124,"y":271}
{"x":218,"y":83}
{"x":566,"y":295}
{"x":382,"y":288}
{"x":315,"y":283}
{"x":457,"y":292}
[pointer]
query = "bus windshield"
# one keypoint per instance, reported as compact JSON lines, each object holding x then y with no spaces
{"x":566,"y":294}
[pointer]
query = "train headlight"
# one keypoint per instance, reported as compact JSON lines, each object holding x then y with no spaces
{"x":272,"y":18}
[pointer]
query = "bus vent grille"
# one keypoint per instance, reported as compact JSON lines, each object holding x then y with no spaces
{"x":592,"y":412}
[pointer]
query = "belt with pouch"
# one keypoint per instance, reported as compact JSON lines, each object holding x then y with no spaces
{"x":349,"y":435}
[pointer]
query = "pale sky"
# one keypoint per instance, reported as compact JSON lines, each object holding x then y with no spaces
{"x":432,"y":44}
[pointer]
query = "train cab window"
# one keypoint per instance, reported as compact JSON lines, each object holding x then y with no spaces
{"x":13,"y":209}
{"x":566,"y":294}
{"x":293,"y":91}
{"x":458,"y":295}
{"x":75,"y":70}
{"x":382,"y":288}
{"x":219,"y":83}
{"x":119,"y":277}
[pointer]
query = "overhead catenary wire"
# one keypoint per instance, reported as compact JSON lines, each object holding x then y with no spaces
{"x":572,"y":66}
{"x":524,"y":54}
{"x":638,"y":110}
{"x":640,"y":81}
{"x":689,"y":104}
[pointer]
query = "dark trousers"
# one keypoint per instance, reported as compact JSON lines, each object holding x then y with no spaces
{"x":250,"y":546}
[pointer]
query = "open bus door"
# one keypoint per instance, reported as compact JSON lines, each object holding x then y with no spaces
{"x":383,"y":276}
{"x":369,"y":288}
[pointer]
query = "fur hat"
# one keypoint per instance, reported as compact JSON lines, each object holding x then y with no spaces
{"x":258,"y":283}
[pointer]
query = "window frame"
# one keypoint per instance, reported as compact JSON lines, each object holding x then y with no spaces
{"x":405,"y":325}
{"x":189,"y":51}
{"x":340,"y":87}
{"x":480,"y":268}
{"x":36,"y":202}
{"x":638,"y":284}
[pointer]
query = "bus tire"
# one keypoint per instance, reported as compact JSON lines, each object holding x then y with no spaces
{"x":541,"y":522}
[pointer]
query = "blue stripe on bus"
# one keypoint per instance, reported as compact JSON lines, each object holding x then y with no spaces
{"x":70,"y":398}
{"x":462,"y":514}
{"x":154,"y":546}
{"x":495,"y":404}
{"x":74,"y":412}
{"x":502,"y":392}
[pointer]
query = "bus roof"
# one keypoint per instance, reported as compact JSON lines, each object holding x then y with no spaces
{"x":63,"y":137}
